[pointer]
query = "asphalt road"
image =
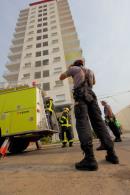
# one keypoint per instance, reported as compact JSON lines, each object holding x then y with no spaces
{"x":51,"y":171}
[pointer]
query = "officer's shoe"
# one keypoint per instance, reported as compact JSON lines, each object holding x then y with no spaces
{"x":70,"y":144}
{"x":112,"y":158}
{"x":101,"y":147}
{"x":64,"y":145}
{"x":87,"y":165}
{"x":118,"y":139}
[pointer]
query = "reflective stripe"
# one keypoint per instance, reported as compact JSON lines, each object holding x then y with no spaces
{"x":65,"y":138}
{"x":64,"y":117}
{"x":66,"y":124}
{"x":50,"y":106}
{"x":71,"y":141}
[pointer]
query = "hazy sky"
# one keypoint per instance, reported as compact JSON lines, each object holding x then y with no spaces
{"x":103,"y":28}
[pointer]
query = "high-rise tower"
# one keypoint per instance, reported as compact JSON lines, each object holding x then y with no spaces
{"x":45,"y":42}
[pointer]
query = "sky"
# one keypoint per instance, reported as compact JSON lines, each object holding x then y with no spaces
{"x":103,"y":28}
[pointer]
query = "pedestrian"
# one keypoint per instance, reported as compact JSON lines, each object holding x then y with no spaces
{"x":86,"y":107}
{"x":49,"y":109}
{"x":66,"y":128}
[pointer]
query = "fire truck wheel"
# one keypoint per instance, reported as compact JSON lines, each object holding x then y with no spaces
{"x":18,"y":146}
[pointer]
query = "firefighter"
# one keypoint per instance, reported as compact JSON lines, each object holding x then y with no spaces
{"x":49,"y":108}
{"x":111,"y":121}
{"x":66,"y":129}
{"x":86,"y":107}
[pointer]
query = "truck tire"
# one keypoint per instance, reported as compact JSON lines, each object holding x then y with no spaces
{"x":18,"y":146}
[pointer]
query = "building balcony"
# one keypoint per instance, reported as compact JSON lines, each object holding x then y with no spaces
{"x":69,"y":38}
{"x":24,"y":12}
{"x":14,"y":56}
{"x":19,"y":34}
{"x":76,"y":49}
{"x":17,"y":48}
{"x":11,"y":76}
{"x":65,"y":13}
{"x":68,"y":30}
{"x":72,"y":44}
{"x":20,"y":29}
{"x":18,"y":41}
{"x":65,"y":18}
{"x":13,"y":65}
{"x":23,"y":18}
{"x":68,"y":24}
{"x":21,"y":23}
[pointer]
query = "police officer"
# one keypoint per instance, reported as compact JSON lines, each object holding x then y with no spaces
{"x":66,"y":129}
{"x":86,"y":107}
{"x":49,"y":108}
{"x":111,"y":121}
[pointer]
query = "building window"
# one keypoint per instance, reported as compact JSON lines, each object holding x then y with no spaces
{"x":46,"y":86}
{"x":37,"y":75}
{"x":40,"y":7}
{"x":27,"y":65}
{"x":60,"y":98}
{"x":53,"y":22}
{"x":32,"y":17}
{"x":38,"y":53}
{"x":45,"y":43}
{"x":45,"y":18}
{"x":45,"y":36}
{"x":28,"y":55}
{"x":37,"y":63}
{"x":45,"y":52}
{"x":32,"y":21}
{"x":46,"y":73}
{"x":29,"y":47}
{"x":44,"y":14}
{"x":44,"y":10}
{"x":54,"y":34}
{"x":31,"y":32}
{"x":52,"y":12}
{"x":58,"y":83}
{"x":45,"y":24}
{"x":52,"y":17}
{"x":39,"y":25}
{"x":30,"y":39}
{"x":45,"y":29}
{"x":57,"y":70}
{"x":26,"y":76}
{"x":39,"y":37}
{"x":31,"y":27}
{"x":45,"y":6}
{"x":38,"y":45}
{"x":56,"y":49}
{"x":40,"y":15}
{"x":45,"y":62}
{"x":39,"y":31}
{"x":40,"y":11}
{"x":55,"y":41}
{"x":39,"y":20}
{"x":33,"y":12}
{"x":53,"y":27}
{"x":57,"y":59}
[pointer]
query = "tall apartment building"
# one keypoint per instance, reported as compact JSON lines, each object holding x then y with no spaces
{"x":45,"y":42}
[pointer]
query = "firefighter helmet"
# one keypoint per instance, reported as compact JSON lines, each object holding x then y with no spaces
{"x":66,"y":109}
{"x":50,"y":98}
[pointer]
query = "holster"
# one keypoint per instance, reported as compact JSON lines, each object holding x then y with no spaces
{"x":82,"y":93}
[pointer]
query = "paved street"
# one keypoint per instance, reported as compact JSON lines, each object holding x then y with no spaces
{"x":51,"y":171}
